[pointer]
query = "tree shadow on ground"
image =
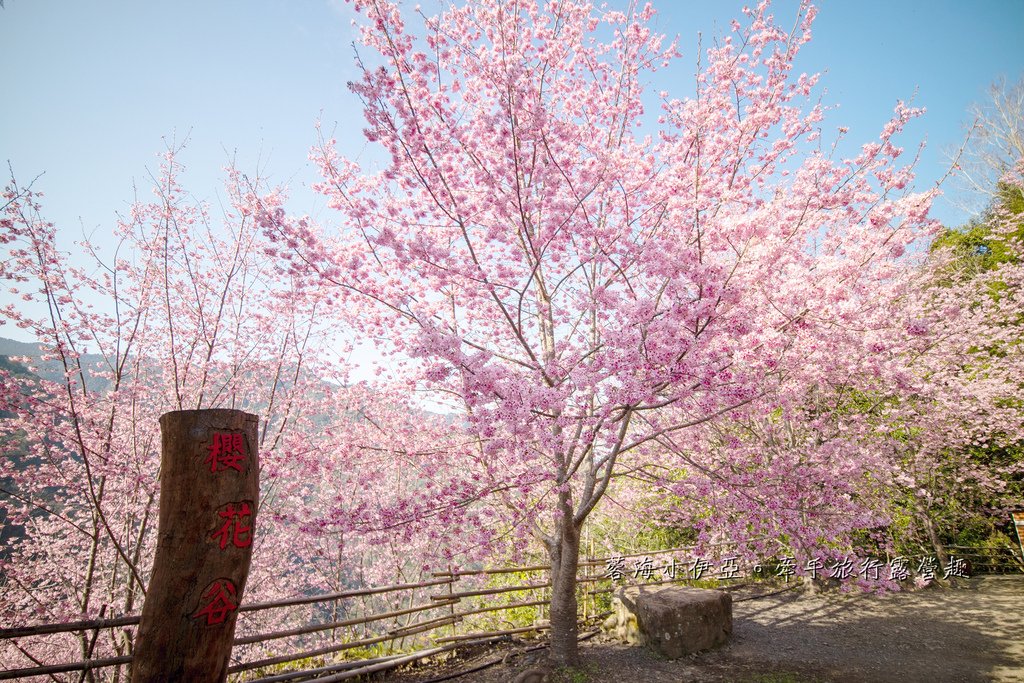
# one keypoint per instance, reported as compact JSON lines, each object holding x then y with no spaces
{"x":972,"y":633}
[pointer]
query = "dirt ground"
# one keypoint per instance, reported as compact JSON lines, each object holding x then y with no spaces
{"x":974,"y":632}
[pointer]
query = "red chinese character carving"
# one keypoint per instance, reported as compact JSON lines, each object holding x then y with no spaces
{"x":232,"y":530}
{"x":227,"y":450}
{"x":221,"y":601}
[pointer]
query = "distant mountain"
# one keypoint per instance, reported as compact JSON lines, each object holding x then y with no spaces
{"x":9,"y":347}
{"x":51,"y":370}
{"x":12,"y":448}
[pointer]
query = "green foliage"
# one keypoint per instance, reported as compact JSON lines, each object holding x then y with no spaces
{"x":602,"y":602}
{"x":658,"y":536}
{"x":370,"y":651}
{"x":982,"y":245}
{"x":1010,"y":199}
{"x":304,"y":664}
{"x":706,"y":583}
{"x":782,"y":677}
{"x":514,"y":617}
{"x":975,"y":244}
{"x":571,"y":674}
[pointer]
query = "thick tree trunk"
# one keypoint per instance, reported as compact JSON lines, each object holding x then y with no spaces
{"x":565,"y":553}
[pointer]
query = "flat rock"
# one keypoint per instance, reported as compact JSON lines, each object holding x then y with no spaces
{"x":671,"y":620}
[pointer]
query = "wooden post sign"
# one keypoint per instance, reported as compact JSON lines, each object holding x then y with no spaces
{"x":209,"y":490}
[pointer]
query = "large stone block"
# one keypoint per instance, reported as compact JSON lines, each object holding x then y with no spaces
{"x":671,"y":620}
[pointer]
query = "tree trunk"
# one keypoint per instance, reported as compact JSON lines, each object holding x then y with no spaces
{"x":933,"y":538}
{"x":565,"y":553}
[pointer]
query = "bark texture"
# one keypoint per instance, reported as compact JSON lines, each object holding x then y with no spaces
{"x":209,"y":481}
{"x":564,"y":562}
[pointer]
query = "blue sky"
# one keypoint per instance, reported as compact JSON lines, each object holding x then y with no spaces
{"x":93,"y":89}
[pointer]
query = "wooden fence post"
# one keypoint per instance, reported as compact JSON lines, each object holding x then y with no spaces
{"x":209,"y":492}
{"x":1018,"y":525}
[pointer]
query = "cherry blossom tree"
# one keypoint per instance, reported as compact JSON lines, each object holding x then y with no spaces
{"x":911,"y":429}
{"x":189,"y":312}
{"x":969,"y":418}
{"x":586,"y":296}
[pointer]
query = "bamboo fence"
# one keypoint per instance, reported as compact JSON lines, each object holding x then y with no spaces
{"x":434,"y":626}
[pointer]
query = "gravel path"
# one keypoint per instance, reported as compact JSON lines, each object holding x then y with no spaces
{"x":971,"y":633}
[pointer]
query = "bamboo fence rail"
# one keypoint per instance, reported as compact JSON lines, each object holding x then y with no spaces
{"x":303,"y":630}
{"x":333,"y":668}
